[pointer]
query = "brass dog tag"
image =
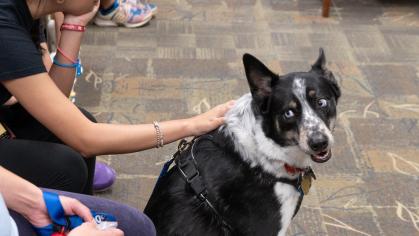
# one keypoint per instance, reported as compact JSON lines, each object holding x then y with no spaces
{"x":306,"y":184}
{"x":306,"y":181}
{"x":2,"y":129}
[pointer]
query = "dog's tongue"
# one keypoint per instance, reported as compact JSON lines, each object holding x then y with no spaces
{"x":322,"y":157}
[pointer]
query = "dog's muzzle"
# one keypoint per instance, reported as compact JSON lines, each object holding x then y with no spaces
{"x":319,"y":144}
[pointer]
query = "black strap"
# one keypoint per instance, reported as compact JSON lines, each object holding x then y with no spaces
{"x":300,"y":200}
{"x":189,"y":169}
{"x":296,"y":183}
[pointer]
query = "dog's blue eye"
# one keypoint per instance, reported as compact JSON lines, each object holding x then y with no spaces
{"x":289,"y":114}
{"x":322,"y":103}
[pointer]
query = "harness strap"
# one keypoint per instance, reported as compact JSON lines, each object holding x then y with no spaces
{"x":296,"y":183}
{"x":188,"y":167}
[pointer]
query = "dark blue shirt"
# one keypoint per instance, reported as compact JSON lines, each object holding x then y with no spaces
{"x":19,"y":56}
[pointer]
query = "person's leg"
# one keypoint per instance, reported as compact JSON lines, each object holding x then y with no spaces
{"x":130,"y":220}
{"x":25,"y":127}
{"x":44,"y":164}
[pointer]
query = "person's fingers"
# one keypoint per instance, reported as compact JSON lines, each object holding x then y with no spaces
{"x":218,"y":121}
{"x":90,"y":228}
{"x":82,"y":211}
{"x":96,"y":7}
{"x":114,"y":232}
{"x":74,"y":207}
{"x":221,"y":109}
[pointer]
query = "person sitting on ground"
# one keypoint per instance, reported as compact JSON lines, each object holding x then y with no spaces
{"x":51,"y":142}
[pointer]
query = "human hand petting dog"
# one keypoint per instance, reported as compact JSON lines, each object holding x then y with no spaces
{"x":209,"y":120}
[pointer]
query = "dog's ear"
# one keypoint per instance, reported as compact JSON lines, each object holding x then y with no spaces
{"x":319,"y":67}
{"x":320,"y":64}
{"x":260,"y":79}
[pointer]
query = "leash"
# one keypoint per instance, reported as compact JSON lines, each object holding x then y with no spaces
{"x":62,"y":223}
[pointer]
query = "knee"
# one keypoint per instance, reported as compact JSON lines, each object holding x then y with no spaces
{"x":137,"y":222}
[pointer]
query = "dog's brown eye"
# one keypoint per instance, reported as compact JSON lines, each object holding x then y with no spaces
{"x":322,"y":103}
{"x":289,"y":114}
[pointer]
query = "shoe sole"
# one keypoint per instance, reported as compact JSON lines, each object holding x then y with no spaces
{"x":102,"y":190}
{"x":105,"y":23}
{"x":154,"y":12}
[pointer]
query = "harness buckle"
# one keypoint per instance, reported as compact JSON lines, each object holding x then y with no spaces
{"x":188,"y":178}
{"x":201,"y":197}
{"x":183,"y":145}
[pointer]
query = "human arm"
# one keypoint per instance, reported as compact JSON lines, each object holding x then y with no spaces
{"x":41,"y":98}
{"x":26,"y":199}
{"x":69,"y":43}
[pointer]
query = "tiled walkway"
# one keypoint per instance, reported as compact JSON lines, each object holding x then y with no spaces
{"x":189,"y":59}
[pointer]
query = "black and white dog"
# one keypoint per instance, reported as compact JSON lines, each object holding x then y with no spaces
{"x":249,"y":170}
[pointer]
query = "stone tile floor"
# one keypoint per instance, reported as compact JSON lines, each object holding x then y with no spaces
{"x":188,"y":59}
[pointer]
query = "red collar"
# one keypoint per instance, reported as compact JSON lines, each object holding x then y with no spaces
{"x":292,"y":170}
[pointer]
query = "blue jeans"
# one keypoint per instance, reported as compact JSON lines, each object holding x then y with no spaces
{"x":130,"y":220}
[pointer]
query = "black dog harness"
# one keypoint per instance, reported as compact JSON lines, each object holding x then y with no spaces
{"x":189,"y":170}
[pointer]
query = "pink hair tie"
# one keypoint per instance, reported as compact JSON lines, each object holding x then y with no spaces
{"x":66,"y":56}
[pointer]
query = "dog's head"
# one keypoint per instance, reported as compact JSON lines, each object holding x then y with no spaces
{"x":297,"y":108}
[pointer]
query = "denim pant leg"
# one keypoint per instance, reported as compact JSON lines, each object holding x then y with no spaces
{"x":130,"y":220}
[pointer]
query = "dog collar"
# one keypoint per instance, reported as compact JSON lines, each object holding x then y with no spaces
{"x":292,"y":170}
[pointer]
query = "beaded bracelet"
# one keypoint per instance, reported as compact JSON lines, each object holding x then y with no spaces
{"x":77,"y":66}
{"x":159,"y":135}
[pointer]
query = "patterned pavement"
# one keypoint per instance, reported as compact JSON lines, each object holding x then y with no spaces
{"x":188,"y":59}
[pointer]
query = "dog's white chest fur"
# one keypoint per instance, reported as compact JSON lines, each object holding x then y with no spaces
{"x":288,"y":198}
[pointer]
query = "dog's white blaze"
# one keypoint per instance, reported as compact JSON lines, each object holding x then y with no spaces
{"x":254,"y":147}
{"x":288,"y":198}
{"x":310,"y":121}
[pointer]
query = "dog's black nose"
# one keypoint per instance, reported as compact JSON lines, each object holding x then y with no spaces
{"x":318,"y":142}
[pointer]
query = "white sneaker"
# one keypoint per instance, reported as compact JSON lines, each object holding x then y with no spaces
{"x":125,"y":14}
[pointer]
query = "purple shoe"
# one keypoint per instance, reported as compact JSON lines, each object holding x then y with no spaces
{"x":104,"y":177}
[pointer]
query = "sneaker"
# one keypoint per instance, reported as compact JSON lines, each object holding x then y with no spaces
{"x":104,"y":177}
{"x":153,"y":8}
{"x":125,"y":14}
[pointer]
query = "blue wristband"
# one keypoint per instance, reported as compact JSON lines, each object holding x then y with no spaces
{"x":77,"y":66}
